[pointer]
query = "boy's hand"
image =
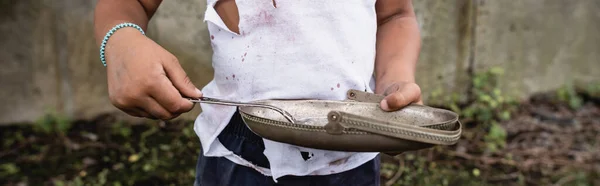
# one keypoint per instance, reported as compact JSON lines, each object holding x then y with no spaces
{"x":144,"y":79}
{"x":401,"y":94}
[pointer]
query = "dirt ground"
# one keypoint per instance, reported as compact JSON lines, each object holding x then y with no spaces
{"x":545,"y":142}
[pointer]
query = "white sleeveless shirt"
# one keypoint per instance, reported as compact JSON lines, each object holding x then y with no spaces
{"x":306,"y":49}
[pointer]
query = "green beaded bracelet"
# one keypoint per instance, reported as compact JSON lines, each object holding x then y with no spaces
{"x":110,"y":33}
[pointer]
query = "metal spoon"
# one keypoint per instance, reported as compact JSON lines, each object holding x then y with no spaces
{"x":209,"y":100}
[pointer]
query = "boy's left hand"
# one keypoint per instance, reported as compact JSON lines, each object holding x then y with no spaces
{"x":401,"y":94}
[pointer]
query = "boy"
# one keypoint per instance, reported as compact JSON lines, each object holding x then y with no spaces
{"x":267,"y":49}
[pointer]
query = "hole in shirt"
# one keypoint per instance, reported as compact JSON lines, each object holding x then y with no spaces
{"x":228,"y":11}
{"x":306,"y":155}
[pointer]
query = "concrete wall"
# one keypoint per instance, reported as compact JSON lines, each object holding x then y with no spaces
{"x":541,"y":44}
{"x":49,"y":61}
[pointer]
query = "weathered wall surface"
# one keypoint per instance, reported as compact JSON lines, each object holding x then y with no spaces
{"x":444,"y":59}
{"x":49,"y":61}
{"x":28,"y":74}
{"x":541,"y":44}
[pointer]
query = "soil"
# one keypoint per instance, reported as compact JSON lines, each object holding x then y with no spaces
{"x":547,"y":142}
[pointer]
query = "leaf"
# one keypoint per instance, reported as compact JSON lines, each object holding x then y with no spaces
{"x":485,"y":97}
{"x":8,"y":142}
{"x":188,"y":132}
{"x":469,"y":112}
{"x":78,"y":181}
{"x":44,"y":124}
{"x":576,"y":102}
{"x":436,"y":93}
{"x":562,"y":94}
{"x":504,"y":115}
{"x":500,"y":99}
{"x":59,"y":183}
{"x":147,"y":167}
{"x":454,"y":107}
{"x":492,"y":147}
{"x":496,"y":92}
{"x":133,"y":158}
{"x":493,"y":104}
{"x":125,"y":131}
{"x":164,"y":147}
{"x":62,"y":124}
{"x":410,"y":157}
{"x":476,"y":172}
{"x":496,"y":137}
{"x":497,"y":132}
{"x":9,"y":169}
{"x":477,"y":82}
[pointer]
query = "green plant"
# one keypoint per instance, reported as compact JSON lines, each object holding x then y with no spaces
{"x":487,"y":107}
{"x":8,"y":169}
{"x":593,"y":89}
{"x":496,"y":137}
{"x":53,"y":123}
{"x":99,"y":153}
{"x":482,"y":114}
{"x":488,"y":103}
{"x":567,"y":94}
{"x":415,"y":169}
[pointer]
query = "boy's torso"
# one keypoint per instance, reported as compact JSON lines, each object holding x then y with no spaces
{"x":287,"y":50}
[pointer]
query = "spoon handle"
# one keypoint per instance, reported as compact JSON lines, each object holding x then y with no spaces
{"x":210,"y":100}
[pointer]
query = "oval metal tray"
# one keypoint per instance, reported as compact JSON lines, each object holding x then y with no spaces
{"x":355,"y":125}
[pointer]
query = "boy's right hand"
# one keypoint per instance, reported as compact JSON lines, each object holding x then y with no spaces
{"x":144,"y":79}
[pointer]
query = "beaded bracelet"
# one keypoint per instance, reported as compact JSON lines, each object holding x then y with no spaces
{"x":110,"y":33}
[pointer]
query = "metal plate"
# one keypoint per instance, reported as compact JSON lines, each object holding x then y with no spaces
{"x":314,"y":112}
{"x":312,"y":115}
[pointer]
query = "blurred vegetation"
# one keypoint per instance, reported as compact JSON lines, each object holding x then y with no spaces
{"x":481,"y":157}
{"x":480,"y":117}
{"x":106,"y":151}
{"x":56,"y":151}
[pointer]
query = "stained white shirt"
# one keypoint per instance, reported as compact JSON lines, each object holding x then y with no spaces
{"x":300,"y":49}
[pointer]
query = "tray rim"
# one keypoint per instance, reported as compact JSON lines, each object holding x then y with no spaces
{"x":244,"y":110}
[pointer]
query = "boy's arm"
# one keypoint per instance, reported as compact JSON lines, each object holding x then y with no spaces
{"x":398,"y":47}
{"x":109,"y":13}
{"x":144,"y":79}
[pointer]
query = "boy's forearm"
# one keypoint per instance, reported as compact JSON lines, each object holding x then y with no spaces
{"x":398,"y":46}
{"x":109,"y":13}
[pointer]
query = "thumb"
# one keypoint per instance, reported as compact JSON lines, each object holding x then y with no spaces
{"x":405,"y":95}
{"x":180,"y":79}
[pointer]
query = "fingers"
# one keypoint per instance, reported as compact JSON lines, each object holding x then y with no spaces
{"x":150,"y":107}
{"x":132,"y":105}
{"x":160,"y":100}
{"x":169,"y":99}
{"x":406,"y":94}
{"x":151,"y":84}
{"x":138,"y":112}
{"x":180,"y":79}
{"x":157,"y":111}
